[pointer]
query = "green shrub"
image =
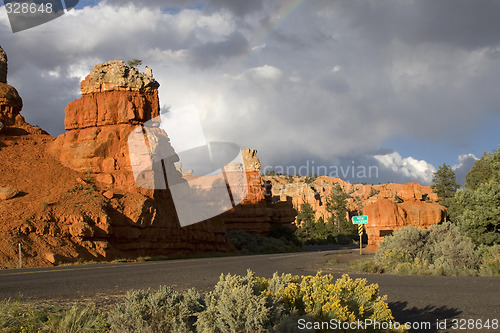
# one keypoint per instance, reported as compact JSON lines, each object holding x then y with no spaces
{"x":345,"y":300}
{"x":77,"y":319}
{"x":279,"y":231}
{"x":408,"y":238}
{"x":165,"y":310}
{"x":256,"y":244}
{"x":365,"y":265}
{"x":440,"y":250}
{"x":451,"y":252}
{"x":490,"y":261}
{"x":238,"y":304}
{"x":17,"y":318}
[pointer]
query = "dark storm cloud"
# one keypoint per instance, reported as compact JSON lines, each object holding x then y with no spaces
{"x":212,"y":53}
{"x":44,"y":98}
{"x":334,"y":83}
{"x":461,"y":23}
{"x":238,"y":7}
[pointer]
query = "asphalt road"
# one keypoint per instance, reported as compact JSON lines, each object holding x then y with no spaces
{"x":412,"y":298}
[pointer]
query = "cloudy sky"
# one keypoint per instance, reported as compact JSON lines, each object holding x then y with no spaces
{"x":399,"y":84}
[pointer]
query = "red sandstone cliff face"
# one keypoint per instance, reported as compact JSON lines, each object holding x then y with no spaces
{"x":258,"y":213}
{"x":115,"y":100}
{"x":133,"y":220}
{"x":388,"y":206}
{"x":10,"y":105}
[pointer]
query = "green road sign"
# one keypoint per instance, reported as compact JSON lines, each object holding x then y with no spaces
{"x":360,"y":219}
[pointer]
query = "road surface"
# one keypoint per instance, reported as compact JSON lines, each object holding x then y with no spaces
{"x":412,"y":298}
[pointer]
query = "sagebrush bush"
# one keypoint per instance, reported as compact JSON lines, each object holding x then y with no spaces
{"x":490,"y":261}
{"x":238,"y":304}
{"x":165,"y":310}
{"x":450,"y":252}
{"x":440,"y":250}
{"x":408,"y":238}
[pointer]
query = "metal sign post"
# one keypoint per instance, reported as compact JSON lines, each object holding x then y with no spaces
{"x":360,"y":232}
{"x":20,"y":260}
{"x":360,"y":220}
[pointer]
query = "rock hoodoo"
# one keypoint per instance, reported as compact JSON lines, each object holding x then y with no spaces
{"x":3,"y":66}
{"x":258,"y":212}
{"x":138,"y":221}
{"x":10,"y":101}
{"x":115,"y":99}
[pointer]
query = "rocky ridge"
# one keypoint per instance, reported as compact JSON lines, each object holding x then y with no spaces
{"x":76,"y":195}
{"x":388,"y":206}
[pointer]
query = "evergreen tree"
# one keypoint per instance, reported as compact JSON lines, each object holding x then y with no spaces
{"x":336,"y":205}
{"x":477,"y":207}
{"x":134,"y":63}
{"x":306,"y":214}
{"x":480,"y":172}
{"x":445,"y":184}
{"x":306,"y":223}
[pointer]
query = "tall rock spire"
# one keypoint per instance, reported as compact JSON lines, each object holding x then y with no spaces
{"x":10,"y":101}
{"x":3,"y":66}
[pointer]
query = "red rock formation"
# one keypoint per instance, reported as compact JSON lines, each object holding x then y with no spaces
{"x":10,"y":105}
{"x":10,"y":101}
{"x":384,"y":216}
{"x":257,"y":213}
{"x":115,"y":100}
{"x":388,"y":206}
{"x":82,"y":202}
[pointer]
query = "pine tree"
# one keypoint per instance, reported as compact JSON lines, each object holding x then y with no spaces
{"x":445,"y":184}
{"x":134,"y":63}
{"x":306,"y":214}
{"x":336,"y":205}
{"x":477,"y":207}
{"x":306,"y":223}
{"x":480,"y":172}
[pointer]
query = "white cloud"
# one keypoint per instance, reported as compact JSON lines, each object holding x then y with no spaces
{"x":465,"y":163}
{"x":266,"y":73}
{"x":408,"y":167}
{"x":215,"y":27}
